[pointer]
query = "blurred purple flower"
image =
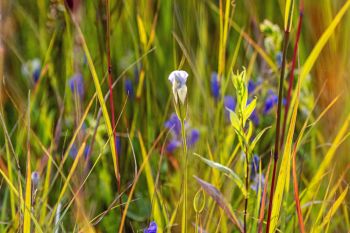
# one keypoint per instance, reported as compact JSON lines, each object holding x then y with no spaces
{"x":129,"y":88}
{"x":192,"y":137}
{"x":36,"y":74}
{"x":254,"y":118}
{"x":279,"y":58}
{"x":73,"y":151}
{"x":152,"y":228}
{"x":254,"y":166}
{"x":270,"y":102}
{"x":174,"y":125}
{"x":118,"y":144}
{"x":35,"y":178}
{"x":86,"y":151}
{"x":215,"y":86}
{"x":251,"y":86}
{"x":229,"y":103}
{"x":76,"y":83}
{"x":255,"y":184}
{"x":173,"y":145}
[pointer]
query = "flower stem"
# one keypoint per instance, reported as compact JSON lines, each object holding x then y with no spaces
{"x":185,"y":178}
{"x":278,"y":126}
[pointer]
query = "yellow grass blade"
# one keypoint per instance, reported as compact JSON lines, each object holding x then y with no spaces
{"x":102,"y":102}
{"x":284,"y":172}
{"x":66,"y":183}
{"x":333,"y":210}
{"x":150,"y":184}
{"x":322,"y":41}
{"x":28,"y":194}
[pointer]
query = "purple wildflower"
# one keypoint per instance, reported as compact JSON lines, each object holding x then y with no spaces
{"x":173,"y":145}
{"x":270,"y":101}
{"x":174,"y":125}
{"x":251,"y":86}
{"x":215,"y":86}
{"x":192,"y":137}
{"x":118,"y":144}
{"x":73,"y":151}
{"x":129,"y":88}
{"x":254,"y":117}
{"x":152,"y":228}
{"x":35,"y":178}
{"x":36,"y":74}
{"x":76,"y":83}
{"x":256,"y":181}
{"x":229,"y":103}
{"x":254,"y":166}
{"x":279,"y":58}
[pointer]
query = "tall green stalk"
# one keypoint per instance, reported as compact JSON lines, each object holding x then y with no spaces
{"x":185,"y":177}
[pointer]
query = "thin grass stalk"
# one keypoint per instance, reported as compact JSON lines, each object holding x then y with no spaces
{"x":184,"y":210}
{"x":278,"y":125}
{"x":110,"y":84}
{"x":291,"y":77}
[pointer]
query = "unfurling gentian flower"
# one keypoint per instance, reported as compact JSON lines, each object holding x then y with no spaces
{"x":254,"y":118}
{"x":270,"y":101}
{"x":174,"y":124}
{"x":118,"y":144}
{"x":279,"y":59}
{"x":35,"y":178}
{"x":173,"y":145}
{"x":152,"y":228}
{"x":256,"y":181}
{"x":229,"y":103}
{"x":76,"y":84}
{"x":178,"y":79}
{"x":129,"y":88}
{"x":254,"y":167}
{"x":32,"y":69}
{"x":192,"y":137}
{"x":251,"y":86}
{"x":215,"y":86}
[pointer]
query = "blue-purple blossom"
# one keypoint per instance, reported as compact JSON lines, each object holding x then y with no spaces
{"x":152,"y":228}
{"x":129,"y":88}
{"x":192,"y":137}
{"x":254,"y":117}
{"x":251,"y":86}
{"x":118,"y":144}
{"x":215,"y":86}
{"x":174,"y":125}
{"x":32,"y":69}
{"x":35,"y":178}
{"x":279,"y":58}
{"x":76,"y":84}
{"x":178,"y":79}
{"x":229,"y":103}
{"x":258,"y":179}
{"x":255,"y":163}
{"x":36,"y":74}
{"x":73,"y":151}
{"x":173,"y":145}
{"x":270,"y":102}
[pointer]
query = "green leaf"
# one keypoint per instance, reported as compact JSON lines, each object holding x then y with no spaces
{"x":249,"y":109}
{"x":234,"y":119}
{"x":225,"y":170}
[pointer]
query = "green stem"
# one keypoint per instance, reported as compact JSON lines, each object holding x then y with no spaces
{"x":184,"y":208}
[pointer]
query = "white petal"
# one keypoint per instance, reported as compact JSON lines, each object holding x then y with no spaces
{"x":182,"y":92}
{"x":178,"y":75}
